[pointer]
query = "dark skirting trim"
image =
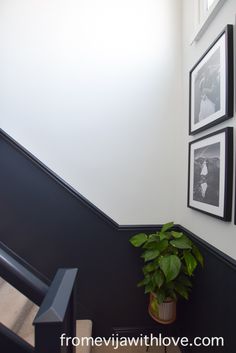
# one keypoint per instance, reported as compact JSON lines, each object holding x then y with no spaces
{"x":210,"y":248}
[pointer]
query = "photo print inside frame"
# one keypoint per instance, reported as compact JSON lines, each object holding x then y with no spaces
{"x":210,"y":174}
{"x":206,"y":174}
{"x":211,"y":85}
{"x":207,"y":88}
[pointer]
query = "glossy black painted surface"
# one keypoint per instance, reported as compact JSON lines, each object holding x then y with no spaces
{"x":57,"y":312}
{"x":49,"y":226}
{"x":211,"y":310}
{"x":56,"y":315}
{"x":21,"y":278}
{"x":11,"y":343}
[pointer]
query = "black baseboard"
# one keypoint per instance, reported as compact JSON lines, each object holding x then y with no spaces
{"x":155,"y":329}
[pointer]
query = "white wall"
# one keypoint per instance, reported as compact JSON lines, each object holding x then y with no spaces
{"x":92,"y":88}
{"x":220,"y":234}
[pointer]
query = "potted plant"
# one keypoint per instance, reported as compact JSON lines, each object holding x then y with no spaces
{"x":170,"y":259}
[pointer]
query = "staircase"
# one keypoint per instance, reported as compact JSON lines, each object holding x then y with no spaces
{"x":17,"y":313}
{"x":27,"y":297}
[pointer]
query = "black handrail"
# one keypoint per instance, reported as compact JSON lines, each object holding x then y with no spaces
{"x":11,"y":343}
{"x":57,"y":306}
{"x":21,"y":278}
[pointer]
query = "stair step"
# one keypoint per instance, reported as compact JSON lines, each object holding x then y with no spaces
{"x":26,"y":330}
{"x":1,"y":281}
{"x":83,"y":329}
{"x":18,"y":313}
{"x":12,"y":304}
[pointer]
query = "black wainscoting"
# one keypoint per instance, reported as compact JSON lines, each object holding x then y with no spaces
{"x":211,"y":310}
{"x":50,"y":225}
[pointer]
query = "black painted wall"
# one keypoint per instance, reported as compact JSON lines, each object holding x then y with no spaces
{"x":211,"y":310}
{"x":50,"y":225}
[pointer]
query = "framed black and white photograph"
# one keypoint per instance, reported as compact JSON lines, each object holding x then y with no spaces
{"x":211,"y":85}
{"x":210,"y":174}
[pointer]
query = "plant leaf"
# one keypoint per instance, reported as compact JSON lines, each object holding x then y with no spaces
{"x":162,"y":236}
{"x":181,"y":290}
{"x":176,"y":235}
{"x":151,"y":266}
{"x":145,"y":281}
{"x":152,"y":240}
{"x":150,"y":255}
{"x":167,"y":226}
{"x":190,"y":261}
{"x":158,"y":278}
{"x":170,"y":265}
{"x":166,"y":235}
{"x":156,"y":245}
{"x":153,"y":236}
{"x":184,"y":280}
{"x":162,"y":245}
{"x":170,"y":286}
{"x":141,"y":283}
{"x":138,"y":239}
{"x":148,"y":288}
{"x":160,"y":295}
{"x":198,"y":255}
{"x":172,"y":295}
{"x":150,"y":244}
{"x":154,"y":304}
{"x":182,"y":243}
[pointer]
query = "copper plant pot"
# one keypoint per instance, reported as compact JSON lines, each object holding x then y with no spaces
{"x":164,"y":313}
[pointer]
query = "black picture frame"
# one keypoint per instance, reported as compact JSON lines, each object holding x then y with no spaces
{"x":211,"y":84}
{"x":210,"y":174}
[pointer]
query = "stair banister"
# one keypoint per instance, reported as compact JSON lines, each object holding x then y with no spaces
{"x":21,"y":278}
{"x":56,"y":315}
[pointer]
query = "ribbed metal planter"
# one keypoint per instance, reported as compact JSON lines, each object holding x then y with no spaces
{"x":164,"y":313}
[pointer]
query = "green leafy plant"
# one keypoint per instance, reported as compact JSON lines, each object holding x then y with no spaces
{"x":170,"y":259}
